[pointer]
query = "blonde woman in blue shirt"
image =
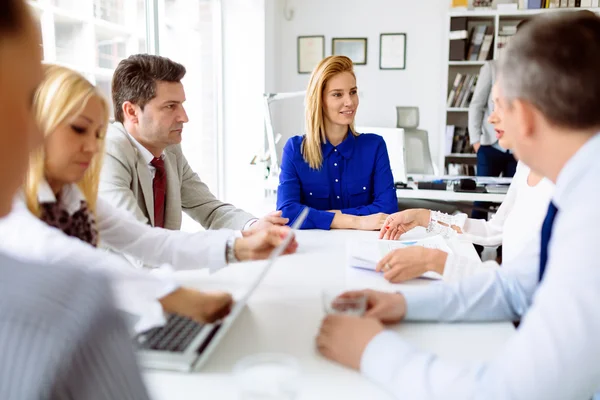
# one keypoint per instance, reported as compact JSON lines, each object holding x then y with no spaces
{"x":343,"y":176}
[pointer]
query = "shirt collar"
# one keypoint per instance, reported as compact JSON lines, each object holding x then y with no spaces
{"x":346,"y":148}
{"x":576,"y":167}
{"x":146,"y":155}
{"x":70,"y":196}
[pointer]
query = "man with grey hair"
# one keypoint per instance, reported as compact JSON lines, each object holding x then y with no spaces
{"x":549,"y":98}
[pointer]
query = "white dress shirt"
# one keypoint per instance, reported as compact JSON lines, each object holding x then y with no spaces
{"x":146,"y":155}
{"x":515,"y":226}
{"x":555,"y":353}
{"x":27,"y":238}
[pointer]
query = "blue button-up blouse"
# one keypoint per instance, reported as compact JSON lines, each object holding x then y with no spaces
{"x":355,"y":178}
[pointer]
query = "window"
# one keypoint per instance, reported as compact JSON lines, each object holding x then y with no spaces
{"x":187,"y":36}
{"x":92,"y":36}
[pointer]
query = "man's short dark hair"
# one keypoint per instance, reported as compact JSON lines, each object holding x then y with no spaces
{"x":135,"y":80}
{"x":554,"y":64}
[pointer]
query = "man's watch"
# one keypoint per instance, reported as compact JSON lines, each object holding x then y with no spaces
{"x":230,"y":257}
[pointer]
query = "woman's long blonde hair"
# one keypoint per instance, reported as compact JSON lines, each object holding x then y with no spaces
{"x":62,"y":95}
{"x":315,"y":125}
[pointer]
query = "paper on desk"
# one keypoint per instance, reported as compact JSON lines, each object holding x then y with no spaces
{"x":366,"y":254}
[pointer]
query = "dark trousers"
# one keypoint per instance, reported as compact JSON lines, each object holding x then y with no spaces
{"x":492,"y":162}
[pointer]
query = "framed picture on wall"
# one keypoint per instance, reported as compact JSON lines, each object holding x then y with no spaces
{"x":392,"y":51}
{"x":353,"y":48}
{"x":311,"y":50}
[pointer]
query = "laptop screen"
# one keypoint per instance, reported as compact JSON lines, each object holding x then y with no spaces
{"x":277,"y":251}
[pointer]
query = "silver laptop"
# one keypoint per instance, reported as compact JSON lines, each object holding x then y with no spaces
{"x":184,"y":345}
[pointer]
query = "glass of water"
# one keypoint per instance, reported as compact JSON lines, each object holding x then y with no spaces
{"x":336,"y":302}
{"x":267,"y":376}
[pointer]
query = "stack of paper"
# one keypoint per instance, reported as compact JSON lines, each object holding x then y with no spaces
{"x":366,"y":254}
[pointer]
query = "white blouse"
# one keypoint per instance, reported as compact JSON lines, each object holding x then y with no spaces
{"x":516,"y":225}
{"x":137,"y":291}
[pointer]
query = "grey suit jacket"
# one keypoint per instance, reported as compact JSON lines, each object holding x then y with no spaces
{"x":126,"y":182}
{"x":482,"y":105}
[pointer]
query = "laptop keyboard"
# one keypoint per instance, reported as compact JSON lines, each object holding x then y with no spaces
{"x":174,"y":336}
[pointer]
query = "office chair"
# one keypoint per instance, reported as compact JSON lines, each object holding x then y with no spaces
{"x":417,"y":155}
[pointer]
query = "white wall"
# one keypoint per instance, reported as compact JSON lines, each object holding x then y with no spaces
{"x":380,"y":91}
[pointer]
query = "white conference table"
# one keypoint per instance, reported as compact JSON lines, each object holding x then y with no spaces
{"x":285,"y":312}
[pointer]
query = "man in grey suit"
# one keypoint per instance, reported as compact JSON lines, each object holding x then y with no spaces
{"x":145,"y":171}
{"x":60,"y":335}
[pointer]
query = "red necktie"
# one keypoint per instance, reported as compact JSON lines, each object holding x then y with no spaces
{"x":159,"y":186}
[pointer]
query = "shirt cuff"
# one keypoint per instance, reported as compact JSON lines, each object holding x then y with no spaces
{"x":249,"y":224}
{"x":321,"y":219}
{"x":218,"y":248}
{"x":384,"y":356}
{"x":153,"y":315}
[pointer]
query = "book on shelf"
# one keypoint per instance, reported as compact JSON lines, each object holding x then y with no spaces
{"x":471,"y":90}
{"x":482,"y":4}
{"x":459,"y":35}
{"x":586,"y":3}
{"x":463,"y":79}
{"x":507,"y":7}
{"x":462,"y":90}
{"x":534,"y":4}
{"x":479,"y":33}
{"x":460,"y":140}
{"x":460,"y":3}
{"x":462,"y":100}
{"x":486,"y":46}
{"x":554,"y":4}
{"x":453,"y":90}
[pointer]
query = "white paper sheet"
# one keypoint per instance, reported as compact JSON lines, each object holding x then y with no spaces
{"x":366,"y":254}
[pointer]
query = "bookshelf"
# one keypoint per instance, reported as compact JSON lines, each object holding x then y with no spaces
{"x":502,"y":26}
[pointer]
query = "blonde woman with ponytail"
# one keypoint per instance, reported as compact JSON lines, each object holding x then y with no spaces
{"x":343,"y":176}
{"x":59,"y":217}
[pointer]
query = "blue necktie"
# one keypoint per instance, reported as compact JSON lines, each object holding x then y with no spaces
{"x":546,"y":233}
